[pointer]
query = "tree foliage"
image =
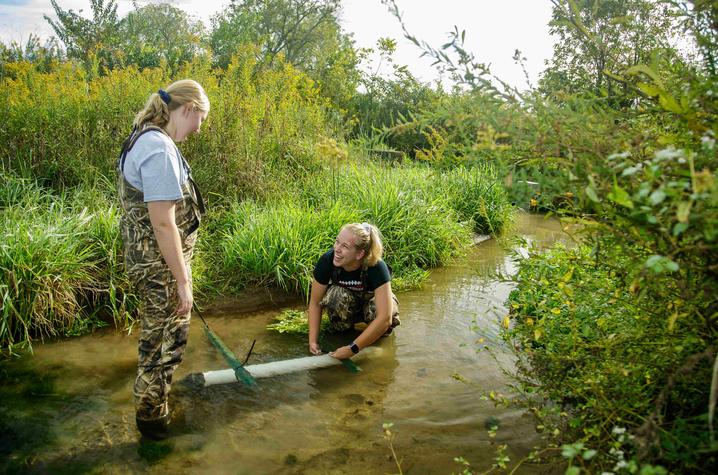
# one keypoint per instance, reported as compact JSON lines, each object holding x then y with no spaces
{"x":306,"y":33}
{"x":146,"y":37}
{"x":298,"y":29}
{"x":87,"y":38}
{"x":389,"y":99}
{"x":157,"y":33}
{"x":599,"y":38}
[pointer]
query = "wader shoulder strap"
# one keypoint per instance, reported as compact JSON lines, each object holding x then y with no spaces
{"x":130,"y":142}
{"x":200,"y":200}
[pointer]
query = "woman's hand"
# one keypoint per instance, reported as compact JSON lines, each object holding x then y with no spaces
{"x":342,"y":353}
{"x":185,"y":298}
{"x":315,"y":316}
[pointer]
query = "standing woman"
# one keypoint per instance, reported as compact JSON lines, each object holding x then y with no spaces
{"x":161,"y":213}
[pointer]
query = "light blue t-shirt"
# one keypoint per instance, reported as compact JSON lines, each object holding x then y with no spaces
{"x":155,"y":166}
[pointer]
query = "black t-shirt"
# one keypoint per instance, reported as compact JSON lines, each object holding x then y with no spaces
{"x":376,"y":276}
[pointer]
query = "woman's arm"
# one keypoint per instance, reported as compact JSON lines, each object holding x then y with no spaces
{"x":162,"y":217}
{"x":315,"y":315}
{"x":382,"y":322}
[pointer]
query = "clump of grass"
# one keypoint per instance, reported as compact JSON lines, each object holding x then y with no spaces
{"x":279,"y":243}
{"x":477,"y":194}
{"x":44,"y":264}
{"x":111,"y":297}
{"x":59,"y":263}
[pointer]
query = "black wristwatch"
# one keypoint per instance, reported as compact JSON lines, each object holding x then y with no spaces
{"x":354,"y":347}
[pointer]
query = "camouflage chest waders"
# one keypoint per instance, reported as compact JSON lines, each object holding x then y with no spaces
{"x":163,"y":333}
{"x":346,"y":307}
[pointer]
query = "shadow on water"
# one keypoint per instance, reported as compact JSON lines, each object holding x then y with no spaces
{"x":31,"y":407}
{"x":69,"y":409}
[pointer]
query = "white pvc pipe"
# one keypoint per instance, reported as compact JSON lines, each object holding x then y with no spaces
{"x":275,"y":368}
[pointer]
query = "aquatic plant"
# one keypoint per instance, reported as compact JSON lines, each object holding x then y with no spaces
{"x":295,"y":322}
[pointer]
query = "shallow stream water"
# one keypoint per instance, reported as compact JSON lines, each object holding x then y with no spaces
{"x":68,"y":409}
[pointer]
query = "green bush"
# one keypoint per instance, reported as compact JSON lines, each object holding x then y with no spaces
{"x":602,"y":349}
{"x":67,"y":128}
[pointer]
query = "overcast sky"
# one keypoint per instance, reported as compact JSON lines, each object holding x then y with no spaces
{"x":494,"y":28}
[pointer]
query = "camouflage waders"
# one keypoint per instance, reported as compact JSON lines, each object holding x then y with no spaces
{"x":163,"y":334}
{"x":346,"y":307}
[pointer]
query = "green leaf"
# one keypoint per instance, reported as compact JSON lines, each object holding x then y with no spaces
{"x":661,"y":264}
{"x":591,"y":193}
{"x":619,"y":196}
{"x":569,"y":451}
{"x":657,"y":197}
{"x":683,"y":211}
{"x":573,"y":471}
{"x":669,"y":103}
{"x":620,"y":20}
{"x":589,"y":454}
{"x":642,"y":68}
{"x":630,"y":171}
{"x":649,"y":89}
{"x":710,"y":233}
{"x":679,"y":228}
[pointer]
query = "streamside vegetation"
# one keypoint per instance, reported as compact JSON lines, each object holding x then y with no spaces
{"x":274,"y":162}
{"x":615,"y":337}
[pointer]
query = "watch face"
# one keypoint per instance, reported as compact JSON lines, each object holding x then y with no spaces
{"x":354,"y":347}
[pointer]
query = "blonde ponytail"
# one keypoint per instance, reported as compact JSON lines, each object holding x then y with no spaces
{"x":161,"y":103}
{"x":368,"y":239}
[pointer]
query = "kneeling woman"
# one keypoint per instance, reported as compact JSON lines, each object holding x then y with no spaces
{"x":353,"y":284}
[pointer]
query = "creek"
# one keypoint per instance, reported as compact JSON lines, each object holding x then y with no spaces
{"x":68,"y":408}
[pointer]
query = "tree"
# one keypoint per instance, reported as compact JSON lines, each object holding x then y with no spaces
{"x":306,"y":33}
{"x":88,"y":40}
{"x":298,"y":29}
{"x":389,"y":99}
{"x":700,"y":18}
{"x":159,"y":33}
{"x":599,"y":37}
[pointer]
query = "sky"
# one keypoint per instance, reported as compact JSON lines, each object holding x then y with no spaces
{"x":494,"y":28}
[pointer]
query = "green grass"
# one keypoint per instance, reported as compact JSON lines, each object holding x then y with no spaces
{"x":278,"y":243}
{"x":59,"y":264}
{"x":61,"y":270}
